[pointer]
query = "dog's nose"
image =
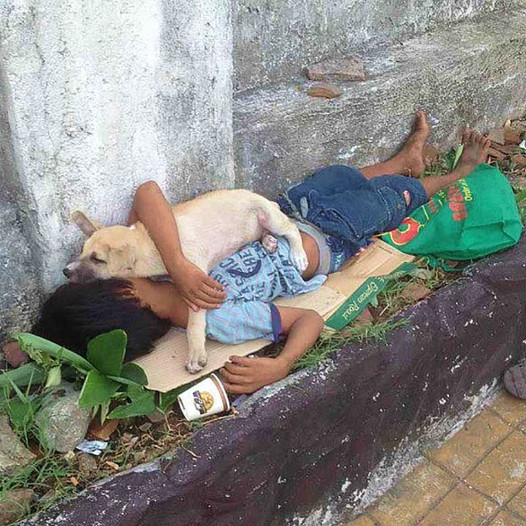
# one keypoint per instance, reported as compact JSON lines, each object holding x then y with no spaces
{"x":67,"y":272}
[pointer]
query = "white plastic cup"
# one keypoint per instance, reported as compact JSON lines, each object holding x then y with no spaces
{"x":208,"y":397}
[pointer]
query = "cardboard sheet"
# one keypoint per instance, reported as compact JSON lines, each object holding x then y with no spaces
{"x":339,"y":300}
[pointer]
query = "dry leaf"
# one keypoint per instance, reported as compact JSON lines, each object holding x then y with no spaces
{"x":415,"y":292}
{"x":103,"y":432}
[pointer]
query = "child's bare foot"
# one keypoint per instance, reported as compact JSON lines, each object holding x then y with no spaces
{"x":411,"y":155}
{"x":476,"y":148}
{"x":475,"y":152}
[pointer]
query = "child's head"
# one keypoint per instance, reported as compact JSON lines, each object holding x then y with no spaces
{"x":77,"y":312}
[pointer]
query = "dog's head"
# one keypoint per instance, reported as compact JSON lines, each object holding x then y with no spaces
{"x":107,"y":253}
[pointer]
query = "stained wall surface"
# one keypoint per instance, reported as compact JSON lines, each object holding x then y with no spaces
{"x":97,"y":97}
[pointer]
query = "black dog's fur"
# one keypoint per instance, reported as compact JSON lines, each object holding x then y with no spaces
{"x":77,"y":312}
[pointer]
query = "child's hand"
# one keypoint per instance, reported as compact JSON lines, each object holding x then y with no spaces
{"x":243,"y":375}
{"x":198,"y":289}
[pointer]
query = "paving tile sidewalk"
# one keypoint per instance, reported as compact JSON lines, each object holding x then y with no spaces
{"x":478,"y":477}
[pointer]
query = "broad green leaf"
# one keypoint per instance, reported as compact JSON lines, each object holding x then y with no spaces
{"x":97,"y":389}
{"x":30,"y":341}
{"x":27,"y":374}
{"x":131,"y":374}
{"x":20,"y":413}
{"x":106,"y":352}
{"x":169,"y":398}
{"x":54,"y":377}
{"x":134,"y":372}
{"x":142,"y":403}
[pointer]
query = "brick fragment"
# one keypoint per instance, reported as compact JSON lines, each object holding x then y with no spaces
{"x":327,"y":91}
{"x":506,"y":149}
{"x":511,"y":135}
{"x":496,"y":154}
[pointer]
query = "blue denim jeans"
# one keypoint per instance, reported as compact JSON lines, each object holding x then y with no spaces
{"x":341,"y":202}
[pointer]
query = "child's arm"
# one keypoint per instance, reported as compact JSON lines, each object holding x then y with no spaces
{"x":151,"y":208}
{"x":246,"y":375}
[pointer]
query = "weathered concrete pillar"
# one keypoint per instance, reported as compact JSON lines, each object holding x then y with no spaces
{"x":101,"y":96}
{"x":19,"y":283}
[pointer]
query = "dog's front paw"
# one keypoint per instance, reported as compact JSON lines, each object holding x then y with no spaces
{"x":299,"y":259}
{"x":269,"y":242}
{"x":203,"y":359}
{"x":193,"y":366}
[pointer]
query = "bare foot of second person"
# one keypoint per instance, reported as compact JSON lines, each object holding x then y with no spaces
{"x":475,"y":152}
{"x":476,"y":149}
{"x":411,"y":155}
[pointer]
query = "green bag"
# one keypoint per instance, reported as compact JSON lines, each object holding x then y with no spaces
{"x":472,"y":218}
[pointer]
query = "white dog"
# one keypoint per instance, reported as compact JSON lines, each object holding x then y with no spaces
{"x":211,"y":227}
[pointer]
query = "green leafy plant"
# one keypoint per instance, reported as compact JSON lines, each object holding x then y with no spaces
{"x":520,"y":198}
{"x":21,"y":409}
{"x":106,"y":378}
{"x":27,"y":374}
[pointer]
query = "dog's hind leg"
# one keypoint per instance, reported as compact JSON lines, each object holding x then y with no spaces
{"x":196,"y":334}
{"x":275,"y":221}
{"x":269,"y":242}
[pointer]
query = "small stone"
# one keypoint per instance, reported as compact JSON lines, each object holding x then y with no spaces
{"x":511,"y":135}
{"x":515,"y":381}
{"x":343,"y":69}
{"x":15,"y":504}
{"x":519,"y":159}
{"x":13,"y":355}
{"x":62,"y":423}
{"x":49,"y":496}
{"x":327,"y":91}
{"x":13,"y":454}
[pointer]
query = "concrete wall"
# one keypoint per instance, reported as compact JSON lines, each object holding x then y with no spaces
{"x":98,"y":96}
{"x":19,"y":283}
{"x":473,"y":73}
{"x":101,"y":96}
{"x":276,"y":38}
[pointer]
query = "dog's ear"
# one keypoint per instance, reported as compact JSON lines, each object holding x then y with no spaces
{"x":126,"y":255}
{"x":87,"y":225}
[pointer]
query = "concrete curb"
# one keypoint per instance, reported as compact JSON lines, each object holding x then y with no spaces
{"x":310,"y":445}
